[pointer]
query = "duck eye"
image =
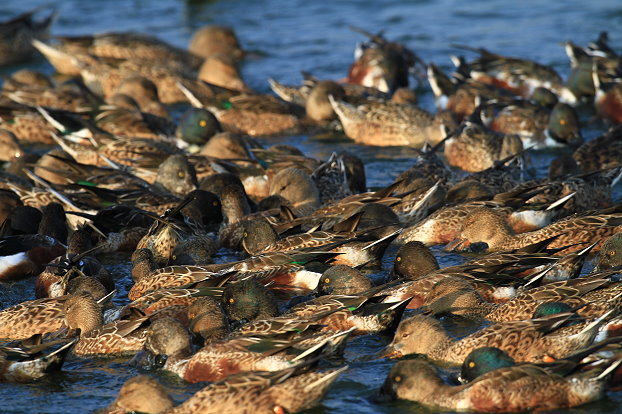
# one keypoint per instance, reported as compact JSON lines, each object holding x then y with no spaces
{"x":174,"y":257}
{"x":562,"y":122}
{"x":397,"y":378}
{"x":405,"y":335}
{"x":202,"y":123}
{"x":471,"y":364}
{"x":327,"y":280}
{"x":245,"y":234}
{"x":215,"y":203}
{"x":398,"y":259}
{"x":612,"y":252}
{"x":278,"y":409}
{"x":231,"y":300}
{"x":181,"y":174}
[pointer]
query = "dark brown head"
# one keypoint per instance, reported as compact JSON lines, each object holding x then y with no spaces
{"x":343,"y":280}
{"x":414,"y":260}
{"x":258,"y":234}
{"x":249,"y":300}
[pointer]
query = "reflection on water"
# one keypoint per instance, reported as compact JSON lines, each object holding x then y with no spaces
{"x":288,"y":36}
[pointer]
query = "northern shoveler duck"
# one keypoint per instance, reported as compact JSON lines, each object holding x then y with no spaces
{"x":462,"y":95}
{"x":354,"y":248}
{"x":297,"y":187}
{"x":536,"y":125}
{"x":26,"y":255}
{"x":484,"y":225}
{"x":532,"y":340}
{"x":601,"y":152}
{"x":248,"y":300}
{"x":26,"y":364}
{"x":121,"y":337}
{"x":386,"y":124}
{"x":244,"y":113}
{"x":221,"y":359}
{"x":104,"y":75}
{"x":443,"y":225}
{"x":222,"y":71}
{"x":381,"y":64}
{"x":141,"y":394}
{"x":144,"y":93}
{"x":300,"y":94}
{"x":459,"y":297}
{"x":582,"y":61}
{"x":520,"y":76}
{"x":70,"y":96}
{"x":474,"y":147}
{"x":215,"y":40}
{"x":16,"y":35}
{"x":608,"y":98}
{"x":331,"y":179}
{"x":177,"y":276}
{"x":507,"y":389}
{"x":277,"y":392}
{"x":128,"y":45}
{"x":363,"y":312}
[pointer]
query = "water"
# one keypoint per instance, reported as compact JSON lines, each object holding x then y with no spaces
{"x":288,"y":36}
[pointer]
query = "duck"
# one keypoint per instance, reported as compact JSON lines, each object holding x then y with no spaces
{"x":26,"y":255}
{"x":443,"y":225}
{"x":216,"y":40}
{"x":275,"y":392}
{"x":457,"y":297}
{"x":127,"y":45}
{"x":608,"y":98}
{"x":141,"y":393}
{"x":17,"y":33}
{"x":222,"y":71}
{"x":475,"y":148}
{"x":245,"y":113}
{"x":103,"y":75}
{"x":461,"y":95}
{"x":519,"y":76}
{"x":537,"y":126}
{"x":218,"y":360}
{"x":35,"y":318}
{"x":381,"y":64}
{"x":28,"y":364}
{"x":591,"y":156}
{"x":122,"y":337}
{"x":486,"y":226}
{"x":391,"y":124}
{"x":531,"y":340}
{"x":506,"y":389}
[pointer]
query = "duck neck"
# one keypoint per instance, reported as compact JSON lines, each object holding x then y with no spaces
{"x":442,"y":344}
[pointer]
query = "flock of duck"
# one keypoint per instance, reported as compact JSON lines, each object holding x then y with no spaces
{"x":95,"y":164}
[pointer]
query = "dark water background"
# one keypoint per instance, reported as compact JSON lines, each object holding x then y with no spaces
{"x":293,"y":35}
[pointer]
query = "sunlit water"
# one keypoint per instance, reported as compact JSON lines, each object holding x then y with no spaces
{"x":289,"y":36}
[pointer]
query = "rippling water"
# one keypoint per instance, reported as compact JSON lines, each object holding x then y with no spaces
{"x":289,"y":36}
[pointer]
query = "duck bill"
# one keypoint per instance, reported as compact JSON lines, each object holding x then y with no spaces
{"x":389,"y":352}
{"x":457,"y":245}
